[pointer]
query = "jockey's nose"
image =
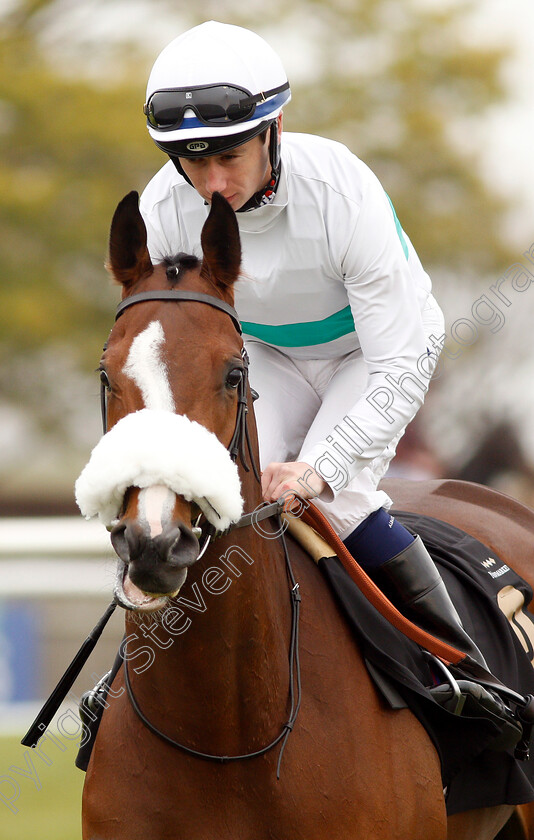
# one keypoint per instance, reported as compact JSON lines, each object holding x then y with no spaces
{"x":216,"y":178}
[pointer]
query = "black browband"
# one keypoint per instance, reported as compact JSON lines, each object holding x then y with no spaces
{"x":174,"y":294}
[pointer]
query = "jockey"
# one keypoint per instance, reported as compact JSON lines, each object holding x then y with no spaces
{"x":341,"y":328}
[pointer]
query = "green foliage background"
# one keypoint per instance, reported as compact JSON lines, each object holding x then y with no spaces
{"x":400,"y":84}
{"x":53,"y":811}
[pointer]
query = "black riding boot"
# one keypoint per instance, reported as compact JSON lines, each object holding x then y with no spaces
{"x":417,"y":582}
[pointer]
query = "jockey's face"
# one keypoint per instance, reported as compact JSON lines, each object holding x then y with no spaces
{"x":236,"y":174}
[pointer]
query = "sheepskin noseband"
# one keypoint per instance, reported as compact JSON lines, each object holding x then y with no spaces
{"x":159,"y":447}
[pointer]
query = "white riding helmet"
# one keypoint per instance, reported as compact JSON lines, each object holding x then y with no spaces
{"x":212,"y":89}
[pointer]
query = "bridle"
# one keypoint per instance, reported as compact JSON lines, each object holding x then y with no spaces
{"x":198,"y":297}
{"x":238,"y":447}
{"x":240,"y":440}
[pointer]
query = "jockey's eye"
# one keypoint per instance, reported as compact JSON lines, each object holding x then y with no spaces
{"x":234,"y":378}
{"x":104,"y":379}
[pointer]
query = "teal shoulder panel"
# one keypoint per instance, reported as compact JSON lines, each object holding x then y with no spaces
{"x":399,"y":229}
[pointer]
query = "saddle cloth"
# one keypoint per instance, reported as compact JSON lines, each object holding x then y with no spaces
{"x":483,"y":589}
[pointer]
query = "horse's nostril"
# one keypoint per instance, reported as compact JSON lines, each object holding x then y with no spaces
{"x":183,"y":551}
{"x":128,"y":540}
{"x":119,"y":542}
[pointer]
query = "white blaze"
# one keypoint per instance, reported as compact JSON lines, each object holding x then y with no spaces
{"x":160,"y":452}
{"x":146,"y":368}
{"x":155,"y":507}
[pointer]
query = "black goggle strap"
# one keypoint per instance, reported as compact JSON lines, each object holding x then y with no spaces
{"x":263,"y":96}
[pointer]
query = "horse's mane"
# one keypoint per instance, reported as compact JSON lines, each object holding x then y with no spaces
{"x":178,"y":264}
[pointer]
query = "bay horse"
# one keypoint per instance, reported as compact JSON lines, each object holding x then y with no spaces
{"x":209,"y":640}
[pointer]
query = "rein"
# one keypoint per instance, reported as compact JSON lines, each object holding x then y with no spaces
{"x":237,"y":448}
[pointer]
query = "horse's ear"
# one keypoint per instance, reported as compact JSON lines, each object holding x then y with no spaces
{"x":128,"y":259}
{"x":220,"y":243}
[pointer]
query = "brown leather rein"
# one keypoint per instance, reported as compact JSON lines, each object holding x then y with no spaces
{"x":447,"y":653}
{"x":311,"y":516}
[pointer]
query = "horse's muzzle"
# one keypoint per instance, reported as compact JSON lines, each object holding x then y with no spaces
{"x":152,"y":568}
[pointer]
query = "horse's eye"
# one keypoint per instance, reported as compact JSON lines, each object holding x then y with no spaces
{"x":234,"y":378}
{"x":104,"y":379}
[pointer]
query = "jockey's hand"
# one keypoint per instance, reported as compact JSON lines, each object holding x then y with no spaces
{"x":278,"y":480}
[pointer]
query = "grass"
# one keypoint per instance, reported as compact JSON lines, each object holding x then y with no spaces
{"x":51,"y":813}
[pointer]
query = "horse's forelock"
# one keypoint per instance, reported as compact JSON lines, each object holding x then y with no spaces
{"x":178,"y":264}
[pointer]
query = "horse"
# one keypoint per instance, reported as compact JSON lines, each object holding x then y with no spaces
{"x":200,"y":738}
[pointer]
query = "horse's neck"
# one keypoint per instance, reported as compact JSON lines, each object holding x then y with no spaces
{"x":226,"y":670}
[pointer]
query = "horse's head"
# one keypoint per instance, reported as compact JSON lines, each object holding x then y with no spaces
{"x":175,"y":373}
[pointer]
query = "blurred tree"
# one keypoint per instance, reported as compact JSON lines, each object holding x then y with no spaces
{"x":69,"y":150}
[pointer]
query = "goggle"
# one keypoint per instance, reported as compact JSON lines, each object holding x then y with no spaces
{"x":214,"y":105}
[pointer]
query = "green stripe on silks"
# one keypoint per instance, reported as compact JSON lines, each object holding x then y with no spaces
{"x":399,"y":229}
{"x":305,"y":333}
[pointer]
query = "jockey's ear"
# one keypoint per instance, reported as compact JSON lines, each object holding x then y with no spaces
{"x":221,"y":246}
{"x":128,"y":259}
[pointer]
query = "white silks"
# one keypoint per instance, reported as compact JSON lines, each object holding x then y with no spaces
{"x":155,"y":447}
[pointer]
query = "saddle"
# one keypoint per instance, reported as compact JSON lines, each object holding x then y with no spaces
{"x":481,"y":734}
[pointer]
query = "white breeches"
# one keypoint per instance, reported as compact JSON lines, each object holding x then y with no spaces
{"x":300,"y":403}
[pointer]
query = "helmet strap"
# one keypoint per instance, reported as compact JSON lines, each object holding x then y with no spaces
{"x":274,"y":146}
{"x":265,"y":195}
{"x":179,"y":167}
